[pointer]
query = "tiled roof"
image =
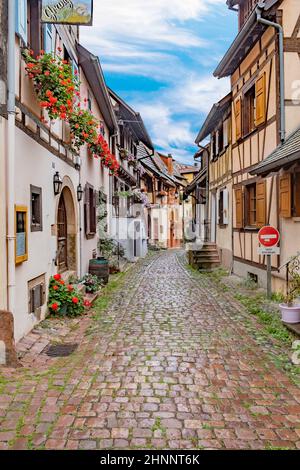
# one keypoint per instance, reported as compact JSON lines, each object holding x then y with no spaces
{"x":285,"y":153}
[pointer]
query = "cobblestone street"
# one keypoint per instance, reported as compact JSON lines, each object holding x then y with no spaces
{"x":169,"y":364}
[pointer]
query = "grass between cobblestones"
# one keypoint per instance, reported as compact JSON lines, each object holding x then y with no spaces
{"x":264,"y":310}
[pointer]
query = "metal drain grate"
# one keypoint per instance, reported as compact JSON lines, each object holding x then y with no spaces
{"x":61,"y":350}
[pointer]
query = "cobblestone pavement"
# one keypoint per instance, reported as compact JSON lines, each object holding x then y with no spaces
{"x":169,"y":364}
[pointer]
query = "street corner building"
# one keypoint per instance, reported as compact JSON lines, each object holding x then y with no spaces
{"x":252,"y":160}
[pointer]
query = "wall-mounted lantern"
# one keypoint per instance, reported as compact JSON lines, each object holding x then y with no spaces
{"x":79,"y":192}
{"x":57,"y":183}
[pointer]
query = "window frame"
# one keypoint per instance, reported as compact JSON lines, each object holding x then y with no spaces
{"x":36,"y":227}
{"x":249,"y":110}
{"x":21,"y":258}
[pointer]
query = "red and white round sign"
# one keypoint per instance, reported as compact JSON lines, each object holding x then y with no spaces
{"x":268,"y":236}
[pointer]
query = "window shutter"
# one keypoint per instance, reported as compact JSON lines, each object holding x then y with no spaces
{"x":225,"y":206}
{"x":225,"y":132}
{"x":48,"y":38}
{"x":238,"y":118}
{"x":93,"y":223}
{"x":35,"y":26}
{"x":86,"y":211}
{"x":212,"y":149}
{"x":285,"y":195}
{"x":260,"y":97}
{"x":261,"y":203}
{"x":239,"y":207}
{"x":217,"y":143}
{"x":21,"y":19}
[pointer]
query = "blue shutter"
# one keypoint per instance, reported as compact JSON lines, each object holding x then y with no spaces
{"x":21,"y":19}
{"x":48,"y":38}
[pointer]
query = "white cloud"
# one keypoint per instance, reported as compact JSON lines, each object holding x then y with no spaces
{"x":146,"y":38}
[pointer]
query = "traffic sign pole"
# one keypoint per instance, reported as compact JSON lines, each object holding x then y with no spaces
{"x":268,"y":238}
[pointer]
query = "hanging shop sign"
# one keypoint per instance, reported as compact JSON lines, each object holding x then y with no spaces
{"x":77,"y":12}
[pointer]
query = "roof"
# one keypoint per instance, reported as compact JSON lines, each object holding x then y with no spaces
{"x":214,"y":117}
{"x":133,"y":120}
{"x":182,"y":168}
{"x":91,"y":67}
{"x":149,"y":161}
{"x":197,"y":180}
{"x":244,"y":41}
{"x":286,"y":153}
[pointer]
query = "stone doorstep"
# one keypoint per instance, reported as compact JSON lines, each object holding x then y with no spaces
{"x":293,"y":327}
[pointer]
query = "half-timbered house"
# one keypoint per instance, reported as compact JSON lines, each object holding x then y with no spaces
{"x":263,"y":65}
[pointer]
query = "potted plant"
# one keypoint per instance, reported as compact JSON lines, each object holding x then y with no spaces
{"x":91,"y":283}
{"x":290,"y":310}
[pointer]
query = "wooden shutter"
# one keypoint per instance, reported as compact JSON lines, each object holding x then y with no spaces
{"x":261,"y":203}
{"x":285,"y":195}
{"x":225,"y":206}
{"x":238,"y":118}
{"x":226,"y":132}
{"x":93,"y":215}
{"x":48,"y":38}
{"x":21,"y":19}
{"x":86,"y":210}
{"x":35,"y":26}
{"x":296,"y":211}
{"x":260,"y":97}
{"x":239,"y":208}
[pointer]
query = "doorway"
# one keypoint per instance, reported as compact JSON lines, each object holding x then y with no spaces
{"x":62,"y":236}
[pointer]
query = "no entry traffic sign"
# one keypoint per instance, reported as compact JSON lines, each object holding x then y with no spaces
{"x":268,"y":236}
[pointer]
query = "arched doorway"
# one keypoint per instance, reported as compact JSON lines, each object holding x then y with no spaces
{"x":66,"y":232}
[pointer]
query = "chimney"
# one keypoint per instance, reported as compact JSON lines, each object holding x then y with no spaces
{"x":170,"y":163}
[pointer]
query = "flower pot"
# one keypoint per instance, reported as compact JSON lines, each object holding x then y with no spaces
{"x":290,"y":314}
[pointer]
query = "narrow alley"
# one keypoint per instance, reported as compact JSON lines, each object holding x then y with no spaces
{"x":168,"y":364}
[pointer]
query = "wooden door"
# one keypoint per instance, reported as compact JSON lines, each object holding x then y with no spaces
{"x":62,"y":247}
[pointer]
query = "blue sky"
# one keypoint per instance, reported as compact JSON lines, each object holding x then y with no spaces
{"x":159,"y":56}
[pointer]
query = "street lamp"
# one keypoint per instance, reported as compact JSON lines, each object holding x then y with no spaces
{"x":57,"y":183}
{"x":79,"y":192}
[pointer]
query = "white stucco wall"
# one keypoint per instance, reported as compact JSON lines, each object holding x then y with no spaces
{"x":35,"y":165}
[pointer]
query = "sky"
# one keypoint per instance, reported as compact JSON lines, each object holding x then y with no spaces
{"x":159,"y":56}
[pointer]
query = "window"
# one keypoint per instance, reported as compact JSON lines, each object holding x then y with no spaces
{"x":90,"y":203}
{"x":289,"y":195}
{"x":34,"y":30}
{"x":36,"y":294}
{"x":251,"y":205}
{"x":220,"y":139}
{"x":36,"y":222}
{"x":250,"y":195}
{"x":89,"y":101}
{"x":21,"y":244}
{"x":249,"y":111}
{"x":223,"y":207}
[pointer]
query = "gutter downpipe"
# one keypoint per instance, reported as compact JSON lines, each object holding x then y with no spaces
{"x":281,"y":67}
{"x":10,"y":168}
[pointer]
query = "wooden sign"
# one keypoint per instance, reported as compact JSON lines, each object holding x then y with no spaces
{"x":77,"y":12}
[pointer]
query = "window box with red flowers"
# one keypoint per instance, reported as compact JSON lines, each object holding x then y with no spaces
{"x":57,"y":92}
{"x":64,"y":299}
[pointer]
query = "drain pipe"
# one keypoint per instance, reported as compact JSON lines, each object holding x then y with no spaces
{"x":279,"y":28}
{"x":10,"y":168}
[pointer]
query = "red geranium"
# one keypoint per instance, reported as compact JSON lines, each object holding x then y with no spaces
{"x":54,"y":306}
{"x":75,"y":300}
{"x":55,"y":287}
{"x":57,"y":277}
